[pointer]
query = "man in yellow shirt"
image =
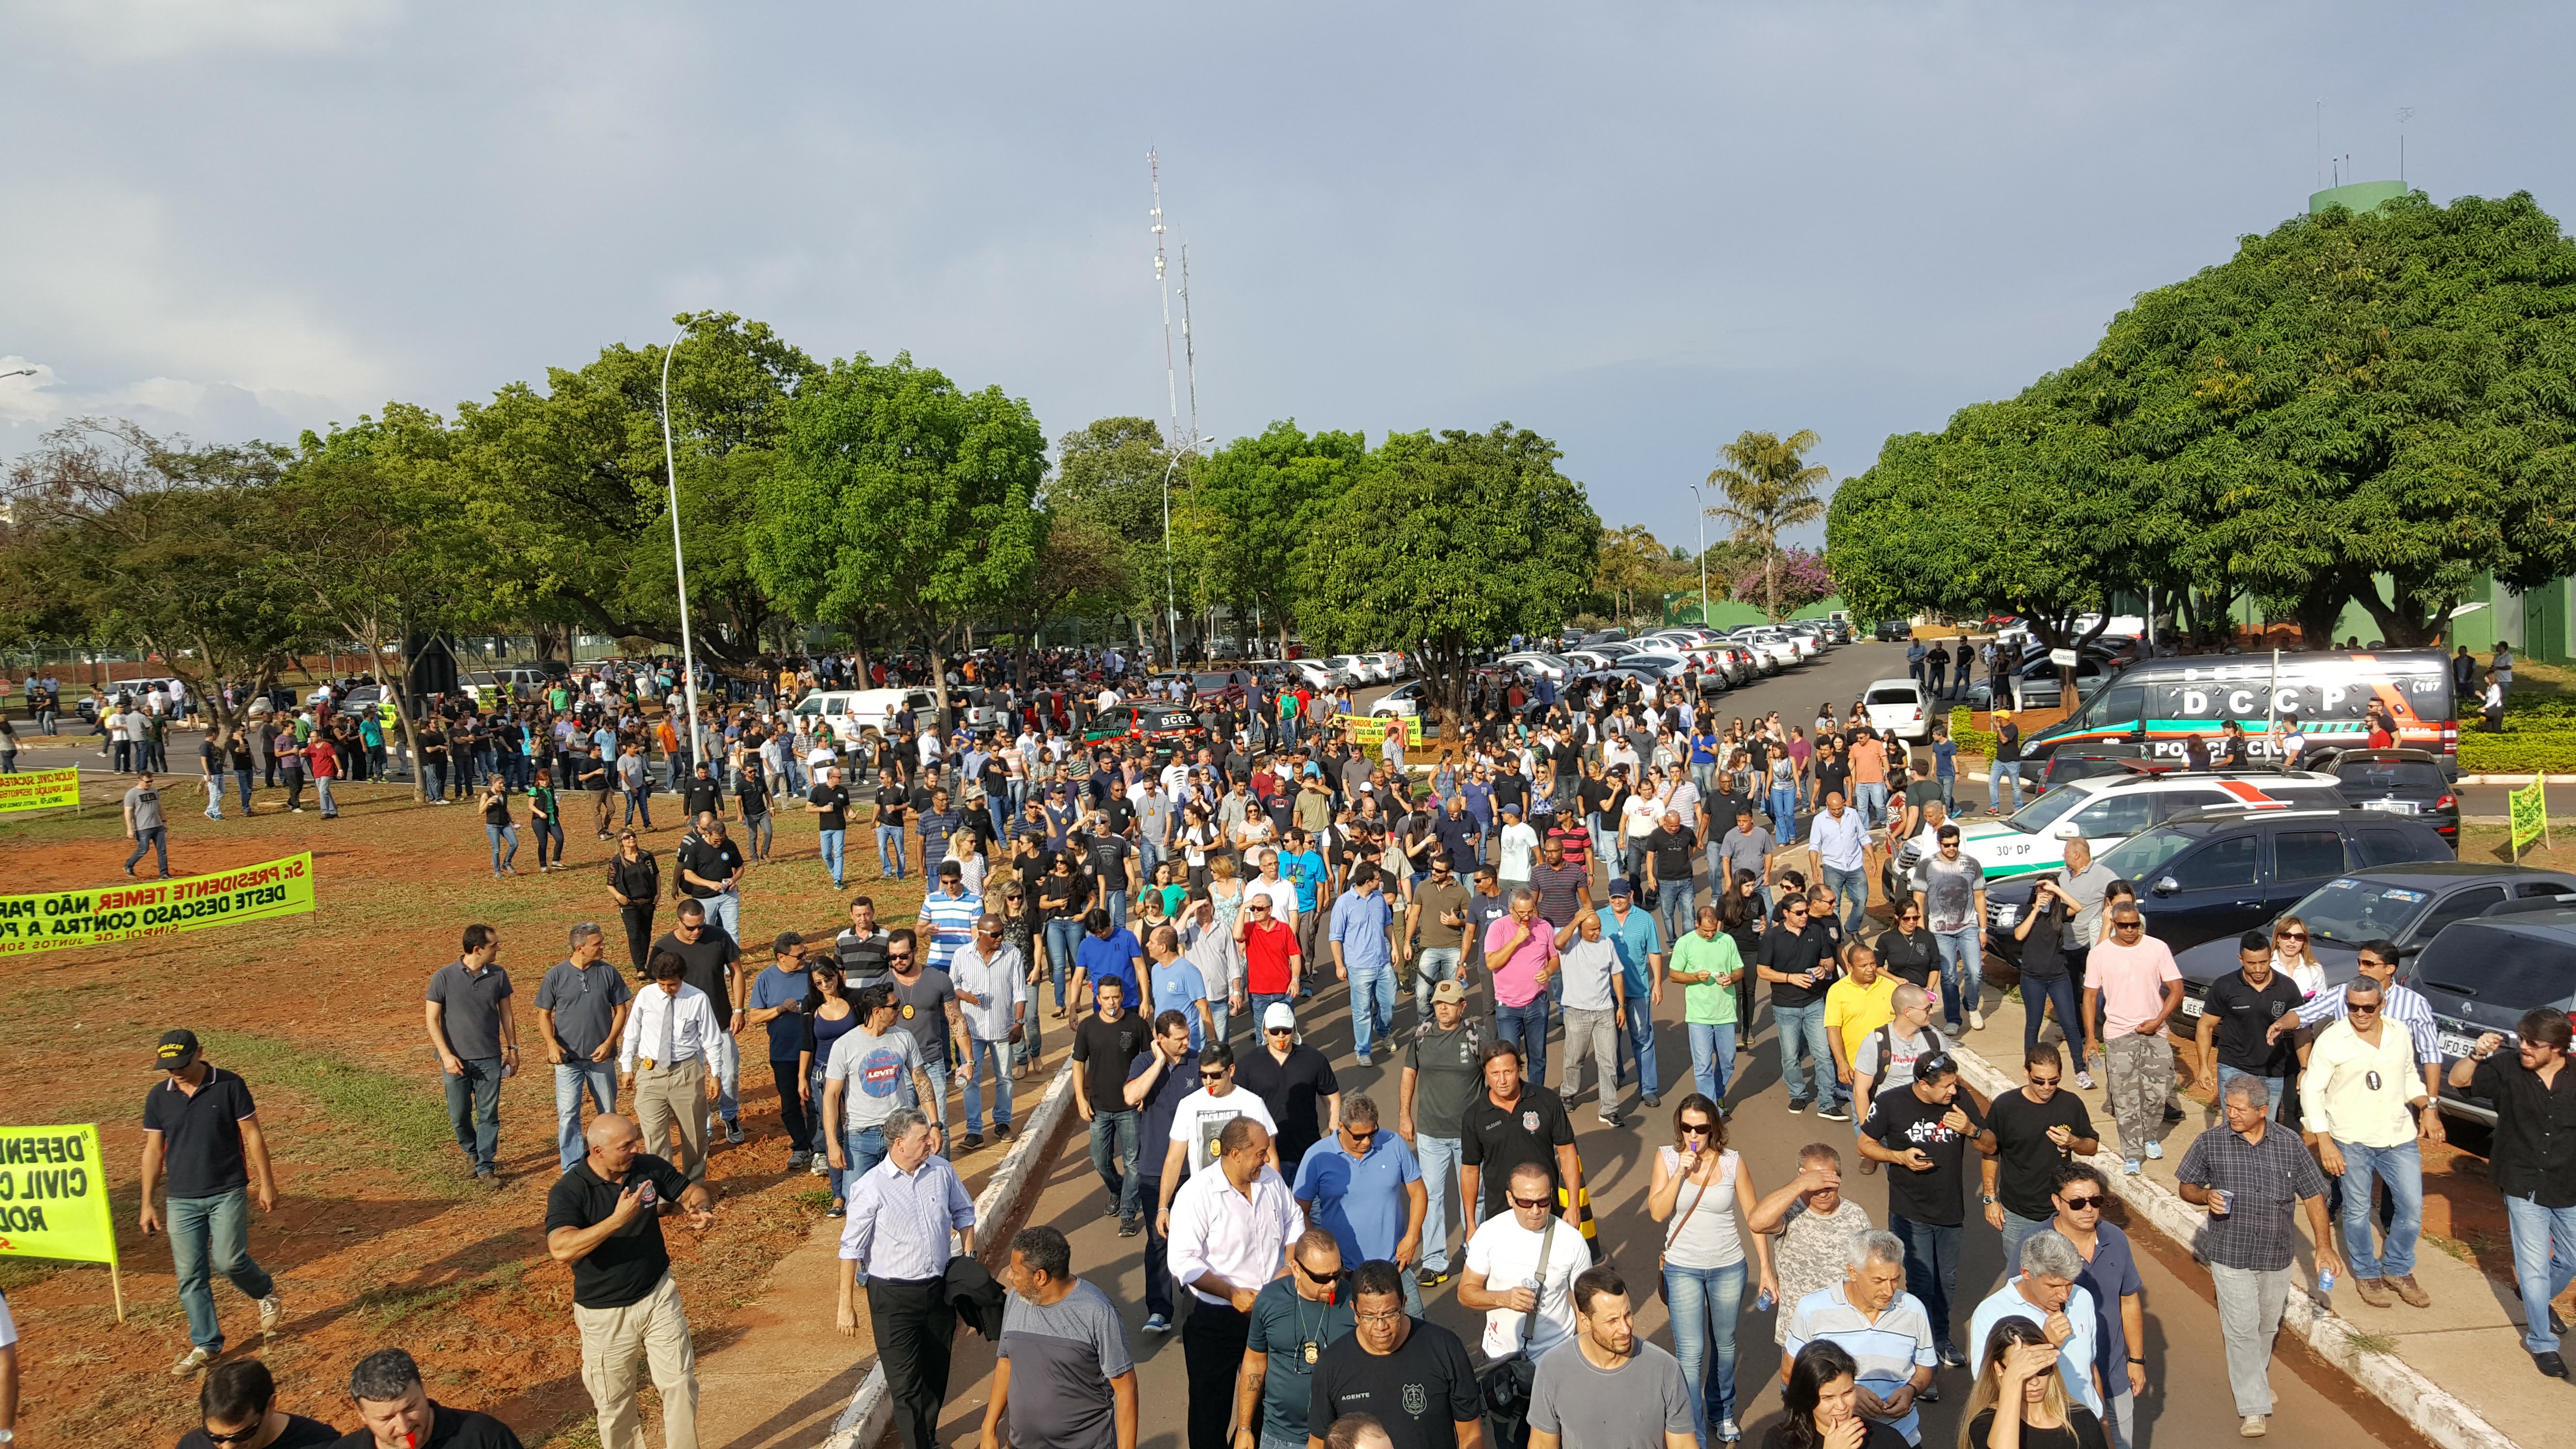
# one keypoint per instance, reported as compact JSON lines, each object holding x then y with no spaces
{"x":1861,"y":1002}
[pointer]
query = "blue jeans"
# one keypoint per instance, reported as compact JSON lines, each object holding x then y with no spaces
{"x":2036,"y":993}
{"x":1963,"y":980}
{"x":1117,"y":910}
{"x":1372,"y":1007}
{"x":1996,"y":774}
{"x":1113,"y":1141}
{"x":1063,"y":936}
{"x":1804,"y":1026}
{"x":1705,"y":1304}
{"x":1676,"y":909}
{"x":548,"y":830}
{"x":834,"y":843}
{"x":474,"y":1109}
{"x":1931,"y":1269}
{"x":1784,"y":813}
{"x":2016,"y":1228}
{"x":1440,"y":1158}
{"x":210,"y":1235}
{"x":1871,"y":801}
{"x":504,"y":840}
{"x":724,"y":908}
{"x":1639,"y":1040}
{"x":1852,"y":886}
{"x":1526,"y":1028}
{"x":2402,"y":1168}
{"x":570,"y":1078}
{"x":982,"y":1056}
{"x":2544,"y":1263}
{"x":1431,"y":966}
{"x":638,"y":802}
{"x":890,"y":851}
{"x":151,"y":839}
{"x":1712,"y":1058}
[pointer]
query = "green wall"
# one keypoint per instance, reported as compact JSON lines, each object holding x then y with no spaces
{"x":1729,"y":614}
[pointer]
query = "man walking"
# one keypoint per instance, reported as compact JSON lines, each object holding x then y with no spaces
{"x":1595,"y":1004}
{"x":2236,"y":1020}
{"x":1838,"y":856}
{"x":1871,"y":1317}
{"x":1294,"y":1319}
{"x":1231,"y":1232}
{"x":663,"y":1056}
{"x":2111,"y":1276}
{"x":778,"y":1007}
{"x":2252,"y":1178}
{"x":874,"y":1070}
{"x":1062,"y":1376}
{"x":1363,"y":1186}
{"x":1413,"y":1377}
{"x":1105,"y":1045}
{"x":714,"y":967}
{"x":476,"y":1035}
{"x":1510,"y":1125}
{"x":902,"y":1213}
{"x":202,"y":1143}
{"x":2534,"y":1165}
{"x":2131,"y":989}
{"x":1520,"y":954}
{"x":1609,"y":1388}
{"x":830,"y":801}
{"x":1157,"y":1083}
{"x":1442,"y":1072}
{"x":581,"y":1012}
{"x":925,"y":1002}
{"x":145,"y":826}
{"x":2365,"y":1104}
{"x":1952,"y":896}
{"x":711,"y":869}
{"x":604,"y":1221}
{"x":2031,"y":1136}
{"x":992,"y":1004}
{"x":1361,"y":916}
{"x":1922,"y":1131}
{"x":1796,"y":957}
{"x":2047,"y":1291}
{"x":1435,"y":929}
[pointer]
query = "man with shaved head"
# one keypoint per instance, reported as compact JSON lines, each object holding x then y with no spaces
{"x":603,"y":1219}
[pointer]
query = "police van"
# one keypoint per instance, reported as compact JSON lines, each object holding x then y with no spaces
{"x":2155,"y":705}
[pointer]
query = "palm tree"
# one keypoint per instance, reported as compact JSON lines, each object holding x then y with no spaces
{"x":1769,"y":488}
{"x":1627,"y":566}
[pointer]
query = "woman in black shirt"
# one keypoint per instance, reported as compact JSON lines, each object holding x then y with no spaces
{"x":1821,"y":1401}
{"x":2020,"y":1369}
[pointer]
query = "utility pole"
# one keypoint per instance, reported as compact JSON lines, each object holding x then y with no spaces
{"x":1699,"y":506}
{"x":679,"y":566}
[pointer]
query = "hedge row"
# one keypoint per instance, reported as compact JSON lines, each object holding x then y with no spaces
{"x":1964,"y":733}
{"x":2530,"y":752}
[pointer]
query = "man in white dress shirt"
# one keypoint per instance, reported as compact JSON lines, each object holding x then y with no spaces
{"x":1231,"y":1230}
{"x":663,"y":1058}
{"x":902,"y":1214}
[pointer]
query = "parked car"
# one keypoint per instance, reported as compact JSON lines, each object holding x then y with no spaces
{"x":1231,"y":686}
{"x":2115,"y":807}
{"x":1899,"y":707}
{"x":2406,"y":904}
{"x":1391,"y":665}
{"x":849,"y":711}
{"x":1403,"y":701}
{"x":2401,"y":782}
{"x":2481,"y":975}
{"x":1537,"y":662}
{"x":2214,"y":874}
{"x":2034,"y":683}
{"x":1892,"y":631}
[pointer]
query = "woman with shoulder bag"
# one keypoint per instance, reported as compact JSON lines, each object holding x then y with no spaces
{"x":1703,"y":1259}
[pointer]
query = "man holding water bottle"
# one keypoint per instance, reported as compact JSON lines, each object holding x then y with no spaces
{"x":2253,"y":1177}
{"x":603,"y":1218}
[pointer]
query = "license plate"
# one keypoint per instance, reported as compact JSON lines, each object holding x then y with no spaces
{"x":2191,"y":1007}
{"x":2454,"y":1045}
{"x":2006,"y":915}
{"x":2393,"y":807}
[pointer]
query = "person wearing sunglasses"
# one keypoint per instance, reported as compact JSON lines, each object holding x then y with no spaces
{"x":1364,"y":1186}
{"x":1703,"y":1256}
{"x":2364,"y":1104}
{"x":2030,"y":1136}
{"x":1505,"y":1276}
{"x":2295,"y":958}
{"x":1910,"y":953}
{"x":1199,"y":1121}
{"x":1296,"y":1317}
{"x":2131,"y":989}
{"x":2235,"y":1038}
{"x":237,"y":1409}
{"x":2111,"y":1276}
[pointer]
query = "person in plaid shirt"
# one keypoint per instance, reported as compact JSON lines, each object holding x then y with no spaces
{"x":2252,"y":1177}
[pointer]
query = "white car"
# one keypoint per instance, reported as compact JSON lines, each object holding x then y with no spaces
{"x":1352,"y":668}
{"x":1402,"y":702}
{"x":1669,"y":664}
{"x":2108,"y":809}
{"x":1553,"y":666}
{"x":1390,"y":665}
{"x":1317,"y":674}
{"x":1775,"y":651}
{"x":1897,"y":707}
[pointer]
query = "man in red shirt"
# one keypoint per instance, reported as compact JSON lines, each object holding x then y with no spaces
{"x":322,"y":758}
{"x":1271,"y":960}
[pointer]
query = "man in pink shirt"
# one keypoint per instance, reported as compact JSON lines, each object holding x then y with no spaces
{"x":1520,"y":951}
{"x":2131,"y":989}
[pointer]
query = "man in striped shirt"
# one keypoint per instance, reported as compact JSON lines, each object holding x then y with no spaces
{"x":1870,"y":1316}
{"x":948,"y":915}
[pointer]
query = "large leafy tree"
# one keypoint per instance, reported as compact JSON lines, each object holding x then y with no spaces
{"x":1258,"y":506}
{"x":1446,"y":546}
{"x":899,"y":494}
{"x":1631,"y":565}
{"x":1110,"y":482}
{"x":1767,"y":487}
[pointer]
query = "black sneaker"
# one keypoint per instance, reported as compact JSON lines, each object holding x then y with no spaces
{"x":1834,"y":1113}
{"x":1432,"y":1277}
{"x":1110,"y":1210}
{"x":2557,"y":1324}
{"x":2550,"y":1364}
{"x":2172,"y":1115}
{"x":1928,"y":1394}
{"x":1654,"y":1099}
{"x":1796,"y":1106}
{"x":1130,"y":1227}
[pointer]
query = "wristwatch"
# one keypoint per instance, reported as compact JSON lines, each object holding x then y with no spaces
{"x":1986,"y":1198}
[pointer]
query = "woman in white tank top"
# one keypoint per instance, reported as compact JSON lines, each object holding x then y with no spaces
{"x":1699,"y":1188}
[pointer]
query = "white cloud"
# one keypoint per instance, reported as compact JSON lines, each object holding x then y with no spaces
{"x":151,"y":30}
{"x":22,"y":399}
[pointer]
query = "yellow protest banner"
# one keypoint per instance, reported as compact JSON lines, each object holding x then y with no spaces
{"x":2529,"y":814}
{"x":40,"y":789}
{"x":1370,"y":729}
{"x":49,"y":920}
{"x":53,"y":1195}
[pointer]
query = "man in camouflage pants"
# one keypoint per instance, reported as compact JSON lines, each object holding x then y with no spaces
{"x":2132,"y":988}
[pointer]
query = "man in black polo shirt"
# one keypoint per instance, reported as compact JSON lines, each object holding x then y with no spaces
{"x":1295,"y":1082}
{"x":1509,"y":1124}
{"x":201,"y":1133}
{"x":396,"y":1411}
{"x":715,"y":967}
{"x":603,"y":1218}
{"x":2235,"y":1036}
{"x":1923,"y":1131}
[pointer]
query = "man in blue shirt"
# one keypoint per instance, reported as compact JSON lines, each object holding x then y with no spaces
{"x":1363,"y":1186}
{"x":1177,"y":985}
{"x":1303,"y":866}
{"x":1639,"y":944}
{"x":1108,"y":950}
{"x":1363,"y":957}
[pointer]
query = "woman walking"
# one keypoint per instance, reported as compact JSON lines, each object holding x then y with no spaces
{"x":635,"y":880}
{"x":1703,"y":1262}
{"x":497,"y":828}
{"x":546,"y":820}
{"x":829,"y":1015}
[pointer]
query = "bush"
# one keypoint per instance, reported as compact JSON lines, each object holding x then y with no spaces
{"x":2545,"y":752}
{"x":1970,"y":740}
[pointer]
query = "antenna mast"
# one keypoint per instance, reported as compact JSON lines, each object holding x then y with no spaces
{"x":1189,"y":345}
{"x":1171,"y":389}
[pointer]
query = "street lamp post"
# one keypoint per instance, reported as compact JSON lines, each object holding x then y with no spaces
{"x":1699,"y":506}
{"x":679,"y":565}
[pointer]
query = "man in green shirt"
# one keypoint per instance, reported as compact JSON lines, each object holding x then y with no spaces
{"x":1706,"y":965}
{"x":1296,"y":1317}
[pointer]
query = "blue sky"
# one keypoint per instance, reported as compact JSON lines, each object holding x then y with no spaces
{"x":1639,"y":229}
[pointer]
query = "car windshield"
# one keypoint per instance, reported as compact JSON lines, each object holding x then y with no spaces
{"x":2035,"y":817}
{"x":2360,"y":910}
{"x":2139,"y":856}
{"x":2390,"y":774}
{"x":2508,"y":969}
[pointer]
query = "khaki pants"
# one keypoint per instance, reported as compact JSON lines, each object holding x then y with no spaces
{"x":599,"y":810}
{"x":611,"y":1340}
{"x":672,"y":1100}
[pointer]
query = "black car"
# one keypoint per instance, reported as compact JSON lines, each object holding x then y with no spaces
{"x":2407,"y":904}
{"x":2213,"y":874}
{"x":2481,"y":975}
{"x":1892,"y":631}
{"x":2400,"y":782}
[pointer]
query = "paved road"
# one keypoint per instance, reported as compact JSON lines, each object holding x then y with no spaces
{"x":2187,"y":1405}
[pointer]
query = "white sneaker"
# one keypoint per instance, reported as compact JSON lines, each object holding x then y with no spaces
{"x":1976,"y":1021}
{"x":271,"y":1310}
{"x":194,"y":1361}
{"x":2084,"y":1080}
{"x":2156,"y":1150}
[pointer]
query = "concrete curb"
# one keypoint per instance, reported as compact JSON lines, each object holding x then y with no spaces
{"x":2434,"y":1413}
{"x":865,"y":1420}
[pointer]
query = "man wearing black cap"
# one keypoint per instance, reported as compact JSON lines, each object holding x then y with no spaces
{"x":201,"y":1135}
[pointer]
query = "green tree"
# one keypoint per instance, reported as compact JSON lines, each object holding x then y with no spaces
{"x":1631,"y":563}
{"x":899,"y":494}
{"x":1445,"y":547}
{"x":1259,"y":503}
{"x":1769,"y":488}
